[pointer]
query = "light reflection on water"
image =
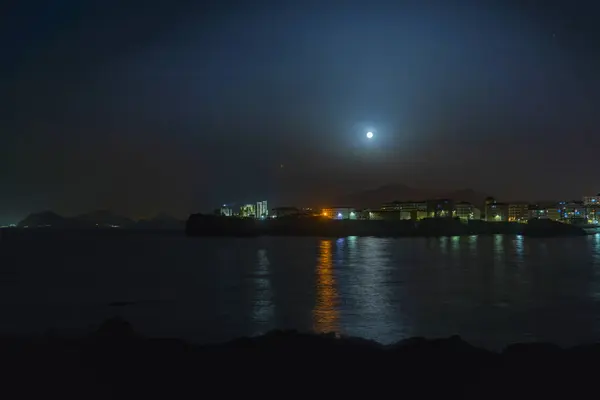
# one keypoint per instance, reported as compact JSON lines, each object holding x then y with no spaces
{"x":263,"y":306}
{"x":492,"y":290}
{"x":443,"y":241}
{"x":473,"y":243}
{"x":596,"y":248}
{"x":519,"y":247}
{"x":325,"y":313}
{"x":595,"y":251}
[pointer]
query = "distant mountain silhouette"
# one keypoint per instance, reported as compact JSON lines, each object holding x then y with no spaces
{"x":374,"y":198}
{"x":47,"y":219}
{"x":99,"y":219}
{"x":104,"y":219}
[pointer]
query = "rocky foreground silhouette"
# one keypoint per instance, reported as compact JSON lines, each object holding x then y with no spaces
{"x":116,"y":362}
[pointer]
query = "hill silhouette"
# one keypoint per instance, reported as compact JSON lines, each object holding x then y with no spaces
{"x":105,"y":219}
{"x":374,"y":198}
{"x":98,"y":219}
{"x":46,"y":219}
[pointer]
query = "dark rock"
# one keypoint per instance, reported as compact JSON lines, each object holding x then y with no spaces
{"x":115,"y":362}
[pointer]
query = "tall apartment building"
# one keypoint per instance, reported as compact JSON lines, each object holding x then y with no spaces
{"x":226,"y":211}
{"x":262,"y":210}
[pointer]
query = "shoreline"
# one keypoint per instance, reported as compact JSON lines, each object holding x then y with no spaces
{"x":206,"y":225}
{"x":16,"y":233}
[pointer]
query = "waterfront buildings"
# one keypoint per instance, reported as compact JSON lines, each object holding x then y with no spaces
{"x":549,"y":211}
{"x":538,"y":212}
{"x":552,"y":211}
{"x":518,"y":212}
{"x":592,"y":208}
{"x":441,"y":208}
{"x":226,"y":211}
{"x":393,"y":206}
{"x":414,"y":210}
{"x":574,"y":212}
{"x":591,"y":200}
{"x":248,"y":211}
{"x":593,"y":215}
{"x":339,"y":212}
{"x":494,"y":211}
{"x":467,"y":211}
{"x":417,"y":210}
{"x":258,"y":210}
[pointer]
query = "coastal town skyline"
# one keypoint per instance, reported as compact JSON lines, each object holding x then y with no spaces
{"x":586,"y":209}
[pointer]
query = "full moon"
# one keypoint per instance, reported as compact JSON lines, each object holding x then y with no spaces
{"x":369,"y":135}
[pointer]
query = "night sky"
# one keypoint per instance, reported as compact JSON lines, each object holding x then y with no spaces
{"x":179,"y":106}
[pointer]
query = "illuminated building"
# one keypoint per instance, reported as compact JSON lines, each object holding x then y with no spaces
{"x":379,"y":215}
{"x":441,"y":208}
{"x":467,"y":211}
{"x":376,"y":215}
{"x":537,"y":212}
{"x":593,"y":214}
{"x":226,"y":211}
{"x":553,"y":213}
{"x":518,"y":212}
{"x":339,"y":213}
{"x":393,"y":206}
{"x":414,"y":210}
{"x":494,"y":211}
{"x":545,"y":211}
{"x":262,"y":210}
{"x":592,"y":208}
{"x":572,"y":212}
{"x":591,"y":200}
{"x":248,"y":211}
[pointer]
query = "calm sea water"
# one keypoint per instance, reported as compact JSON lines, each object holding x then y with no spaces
{"x":491,"y":290}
